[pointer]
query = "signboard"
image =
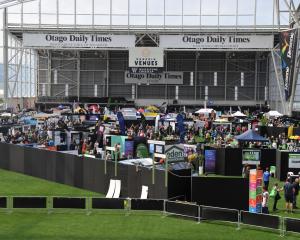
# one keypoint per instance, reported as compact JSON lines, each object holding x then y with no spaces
{"x":294,"y":160}
{"x":210,"y":161}
{"x":174,"y":153}
{"x":154,"y":78}
{"x":129,"y":148}
{"x":54,"y":40}
{"x":288,"y":50}
{"x":251,"y":157}
{"x":255,"y":191}
{"x":146,"y":57}
{"x":217,"y":41}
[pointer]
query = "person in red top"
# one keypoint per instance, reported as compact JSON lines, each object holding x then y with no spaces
{"x":84,"y":147}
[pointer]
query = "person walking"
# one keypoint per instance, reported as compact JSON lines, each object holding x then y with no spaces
{"x":296,"y":192}
{"x":266,"y":178}
{"x":288,"y":195}
{"x":265,"y":200}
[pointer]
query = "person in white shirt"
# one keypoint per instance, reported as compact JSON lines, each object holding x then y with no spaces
{"x":265,"y":201}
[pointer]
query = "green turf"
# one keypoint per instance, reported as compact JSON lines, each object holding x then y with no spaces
{"x":115,"y":225}
{"x":103,"y":224}
{"x":15,"y":184}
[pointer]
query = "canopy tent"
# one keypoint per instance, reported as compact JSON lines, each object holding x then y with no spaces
{"x":238,"y":114}
{"x":273,"y":114}
{"x":204,"y":111}
{"x":251,"y":136}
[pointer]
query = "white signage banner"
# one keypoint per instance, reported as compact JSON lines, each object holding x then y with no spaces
{"x":154,"y":78}
{"x":144,"y":57}
{"x":174,"y":153}
{"x":49,"y":40}
{"x":217,"y":41}
{"x":294,"y":160}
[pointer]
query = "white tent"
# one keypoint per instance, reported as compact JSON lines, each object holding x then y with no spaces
{"x":238,"y":114}
{"x":273,"y":114}
{"x":204,"y":111}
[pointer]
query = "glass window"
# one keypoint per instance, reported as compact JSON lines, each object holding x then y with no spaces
{"x":209,"y":7}
{"x":30,"y":18}
{"x":67,"y":6}
{"x":31,"y":7}
{"x":173,"y":21}
{"x":228,"y":7}
{"x":155,"y":7}
{"x":48,"y":19}
{"x":191,"y":20}
{"x":48,"y":6}
{"x":191,"y":7}
{"x":137,"y":7}
{"x":84,"y":6}
{"x":245,"y":20}
{"x":66,"y":19}
{"x":227,"y":20}
{"x":173,"y":7}
{"x":209,"y":20}
{"x":102,"y":6}
{"x":155,"y":20}
{"x":119,"y":20}
{"x":137,"y":20}
{"x":84,"y":19}
{"x":14,"y":9}
{"x":102,"y":20}
{"x":119,"y":7}
{"x":264,"y":13}
{"x":246,"y":7}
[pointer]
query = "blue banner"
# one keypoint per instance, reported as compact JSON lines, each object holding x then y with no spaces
{"x":121,"y":123}
{"x":210,"y":161}
{"x":181,"y":127}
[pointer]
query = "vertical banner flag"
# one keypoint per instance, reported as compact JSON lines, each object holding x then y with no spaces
{"x":210,"y":161}
{"x":121,"y":122}
{"x":288,"y":51}
{"x":181,"y":127}
{"x":255,"y":191}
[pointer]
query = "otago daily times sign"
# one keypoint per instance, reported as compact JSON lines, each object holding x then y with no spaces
{"x":52,"y":40}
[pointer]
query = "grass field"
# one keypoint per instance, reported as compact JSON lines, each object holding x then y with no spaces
{"x":102,"y":224}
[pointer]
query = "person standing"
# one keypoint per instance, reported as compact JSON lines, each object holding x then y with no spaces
{"x":296,"y":192}
{"x":266,"y":178}
{"x":265,"y":200}
{"x":277,"y":196}
{"x":288,"y":195}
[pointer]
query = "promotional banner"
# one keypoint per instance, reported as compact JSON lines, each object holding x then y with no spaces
{"x":154,"y":78}
{"x":217,"y":41}
{"x":146,"y":57}
{"x":174,"y":153}
{"x":294,"y":160}
{"x":255,"y":191}
{"x":129,"y":148}
{"x":181,"y":127}
{"x":53,"y":40}
{"x":288,"y":51}
{"x":251,"y":157}
{"x":121,"y":122}
{"x":210,"y":161}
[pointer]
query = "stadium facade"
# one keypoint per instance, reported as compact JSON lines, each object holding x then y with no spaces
{"x":222,"y":52}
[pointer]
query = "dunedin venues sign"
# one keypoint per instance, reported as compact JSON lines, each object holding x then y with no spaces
{"x":52,"y":40}
{"x":217,"y":41}
{"x":154,"y":78}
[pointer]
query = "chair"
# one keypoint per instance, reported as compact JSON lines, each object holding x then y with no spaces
{"x":111,"y":189}
{"x":117,"y":189}
{"x":144,"y":194}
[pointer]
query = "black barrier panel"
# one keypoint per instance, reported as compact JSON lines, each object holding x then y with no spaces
{"x":4,"y":156}
{"x":78,"y":203}
{"x":16,"y":162}
{"x":107,"y":203}
{"x":292,"y":225}
{"x":183,"y":209}
{"x":3,"y":202}
{"x":209,"y":213}
{"x":262,"y":220}
{"x":29,"y":202}
{"x":147,"y":204}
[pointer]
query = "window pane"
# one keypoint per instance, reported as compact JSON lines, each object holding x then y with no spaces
{"x":84,"y":6}
{"x":48,"y":6}
{"x":173,"y":7}
{"x":31,"y":7}
{"x":67,"y":6}
{"x":102,"y":7}
{"x":119,"y":6}
{"x":246,"y":7}
{"x":228,"y":7}
{"x":264,"y":12}
{"x":209,"y":7}
{"x":137,"y":7}
{"x":191,"y":7}
{"x":155,"y":7}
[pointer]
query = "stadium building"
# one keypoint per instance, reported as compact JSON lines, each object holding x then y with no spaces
{"x":186,"y":52}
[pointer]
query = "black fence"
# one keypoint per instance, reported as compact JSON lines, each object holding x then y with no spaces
{"x":182,"y":209}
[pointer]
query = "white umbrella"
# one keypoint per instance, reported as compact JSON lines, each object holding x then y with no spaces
{"x":273,"y":114}
{"x":204,"y":111}
{"x":238,"y":114}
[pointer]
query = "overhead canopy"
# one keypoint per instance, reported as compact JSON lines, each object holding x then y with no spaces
{"x":273,"y":114}
{"x":238,"y":114}
{"x":251,"y":136}
{"x":204,"y":111}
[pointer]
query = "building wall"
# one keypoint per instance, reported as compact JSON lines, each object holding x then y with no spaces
{"x":211,"y":76}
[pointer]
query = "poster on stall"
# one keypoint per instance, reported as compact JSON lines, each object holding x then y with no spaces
{"x":210,"y":161}
{"x":129,"y":148}
{"x":255,"y":191}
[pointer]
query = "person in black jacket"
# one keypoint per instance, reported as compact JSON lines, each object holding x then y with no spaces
{"x":296,"y":192}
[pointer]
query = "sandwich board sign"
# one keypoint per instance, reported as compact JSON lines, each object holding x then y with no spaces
{"x":174,"y":153}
